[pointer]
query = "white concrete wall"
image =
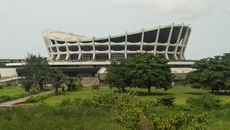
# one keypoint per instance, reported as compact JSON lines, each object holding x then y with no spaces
{"x":8,"y":72}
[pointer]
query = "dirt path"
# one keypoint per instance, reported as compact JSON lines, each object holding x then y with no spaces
{"x":15,"y":102}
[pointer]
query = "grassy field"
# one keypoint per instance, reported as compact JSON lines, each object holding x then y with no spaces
{"x":11,"y":92}
{"x":181,"y":94}
{"x":48,"y":113}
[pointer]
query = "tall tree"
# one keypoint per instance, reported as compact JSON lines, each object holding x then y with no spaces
{"x":57,"y":78}
{"x":211,"y":73}
{"x":36,"y":70}
{"x":144,"y":70}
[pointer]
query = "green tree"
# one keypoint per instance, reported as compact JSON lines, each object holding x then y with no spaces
{"x":57,"y":78}
{"x":211,"y":73}
{"x":36,"y":71}
{"x":144,"y":70}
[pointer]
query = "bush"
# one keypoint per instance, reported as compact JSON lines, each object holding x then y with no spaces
{"x":179,"y":121}
{"x":204,"y":101}
{"x":1,"y":86}
{"x":5,"y":98}
{"x":105,"y":99}
{"x":96,"y":86}
{"x":166,"y":101}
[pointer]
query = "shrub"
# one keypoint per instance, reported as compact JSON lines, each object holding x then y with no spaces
{"x":178,"y":121}
{"x":5,"y":98}
{"x":204,"y":102}
{"x":1,"y":86}
{"x":104,"y":99}
{"x":66,"y":102}
{"x":96,"y":86}
{"x":166,"y":101}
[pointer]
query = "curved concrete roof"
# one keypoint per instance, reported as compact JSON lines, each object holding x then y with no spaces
{"x":64,"y":36}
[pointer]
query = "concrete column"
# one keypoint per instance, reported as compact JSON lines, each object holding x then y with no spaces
{"x":178,"y":41}
{"x":126,"y":37}
{"x":79,"y":48}
{"x":50,"y":51}
{"x":94,"y":49}
{"x":67,"y":51}
{"x":168,"y":42}
{"x":142,"y":39}
{"x":156,"y":41}
{"x":184,"y":44}
{"x":58,"y":51}
{"x":109,"y":47}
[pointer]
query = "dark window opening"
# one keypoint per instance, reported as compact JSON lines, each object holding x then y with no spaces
{"x":62,"y":57}
{"x":179,"y":49}
{"x":117,"y":48}
{"x":87,"y":57}
{"x":175,"y":34}
{"x":161,"y":48}
{"x":164,"y":34}
{"x":101,"y":57}
{"x":72,"y":42}
{"x":178,"y":56}
{"x":54,"y":57}
{"x":86,"y":48}
{"x":171,"y":56}
{"x":134,"y":38}
{"x":62,"y":49}
{"x":118,"y":39}
{"x":102,"y":41}
{"x":133,"y":48}
{"x":73,"y":56}
{"x":183,"y":33}
{"x":60,"y":42}
{"x":54,"y":49}
{"x":150,"y":36}
{"x":148,"y":48}
{"x":101,"y":48}
{"x":53,"y":42}
{"x":73,"y":48}
{"x":86,"y":41}
{"x":117,"y":56}
{"x":171,"y":48}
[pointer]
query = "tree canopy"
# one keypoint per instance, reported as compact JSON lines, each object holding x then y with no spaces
{"x":143,"y":70}
{"x":36,"y":70}
{"x":211,"y":73}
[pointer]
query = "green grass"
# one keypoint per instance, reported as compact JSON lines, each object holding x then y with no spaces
{"x":82,"y":93}
{"x":11,"y":92}
{"x":53,"y":116}
{"x":181,"y":94}
{"x":57,"y":118}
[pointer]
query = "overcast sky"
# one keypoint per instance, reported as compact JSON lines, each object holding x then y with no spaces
{"x":22,"y":22}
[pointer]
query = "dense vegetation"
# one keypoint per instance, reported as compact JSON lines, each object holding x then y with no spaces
{"x":108,"y":109}
{"x":143,"y":70}
{"x":38,"y":73}
{"x":211,"y":73}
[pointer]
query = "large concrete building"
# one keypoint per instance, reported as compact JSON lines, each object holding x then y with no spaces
{"x":170,"y":41}
{"x":87,"y":56}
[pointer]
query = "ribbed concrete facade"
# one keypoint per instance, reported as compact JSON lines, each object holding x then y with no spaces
{"x":169,"y":41}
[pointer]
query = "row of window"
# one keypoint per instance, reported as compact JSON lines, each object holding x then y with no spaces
{"x":149,"y":37}
{"x":86,"y":57}
{"x":117,"y":48}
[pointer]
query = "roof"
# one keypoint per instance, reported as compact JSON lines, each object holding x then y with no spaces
{"x":64,"y":36}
